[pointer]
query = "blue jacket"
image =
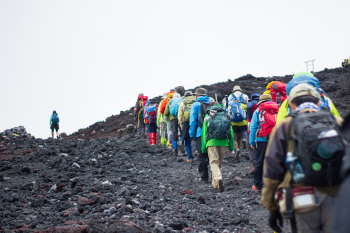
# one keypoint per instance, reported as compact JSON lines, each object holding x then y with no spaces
{"x":196,"y":131}
{"x":254,"y":126}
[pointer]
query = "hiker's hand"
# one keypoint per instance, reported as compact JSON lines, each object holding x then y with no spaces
{"x":134,"y":118}
{"x":273,"y":218}
{"x":253,"y":147}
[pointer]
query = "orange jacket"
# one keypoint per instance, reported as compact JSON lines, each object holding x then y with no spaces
{"x":164,"y":103}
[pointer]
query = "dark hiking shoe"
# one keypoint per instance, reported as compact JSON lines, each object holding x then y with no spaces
{"x":205,"y":181}
{"x":244,"y":144}
{"x":237,"y":155}
{"x":183,"y":151}
{"x":175,"y":152}
{"x":221,"y":186}
{"x":252,"y":171}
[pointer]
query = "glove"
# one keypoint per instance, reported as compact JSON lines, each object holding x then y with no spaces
{"x":273,"y":217}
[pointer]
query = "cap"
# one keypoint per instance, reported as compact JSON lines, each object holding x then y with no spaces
{"x":188,"y":93}
{"x":303,"y":73}
{"x":264,"y":98}
{"x":201,"y":91}
{"x":237,"y":88}
{"x":302,"y":90}
{"x":270,"y":79}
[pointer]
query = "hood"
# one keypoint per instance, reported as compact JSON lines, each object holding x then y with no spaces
{"x":143,"y":97}
{"x":176,"y":95}
{"x":269,"y":85}
{"x":254,"y":96}
{"x":203,"y":98}
{"x":170,"y":94}
{"x":189,"y":99}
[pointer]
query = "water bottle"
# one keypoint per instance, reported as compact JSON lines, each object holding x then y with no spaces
{"x":295,"y":167}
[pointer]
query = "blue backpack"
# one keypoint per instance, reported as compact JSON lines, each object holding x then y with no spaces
{"x":254,"y":99}
{"x":313,"y":82}
{"x":174,"y":106}
{"x":240,"y":98}
{"x":235,"y":111}
{"x":54,"y":118}
{"x":151,"y":113}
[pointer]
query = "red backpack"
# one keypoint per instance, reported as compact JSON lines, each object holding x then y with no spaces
{"x":278,"y":92}
{"x":267,"y":118}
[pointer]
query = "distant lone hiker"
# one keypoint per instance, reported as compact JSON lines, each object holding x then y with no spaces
{"x":54,"y":121}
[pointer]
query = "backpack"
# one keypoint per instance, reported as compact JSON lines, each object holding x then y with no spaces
{"x":187,"y":111}
{"x":151,"y":113}
{"x":203,"y":111}
{"x":219,"y":125}
{"x":278,"y":92}
{"x":267,"y":118}
{"x":174,"y":106}
{"x":54,"y":118}
{"x":252,"y":105}
{"x":240,"y":98}
{"x":235,"y":111}
{"x":318,"y":146}
{"x":313,"y":82}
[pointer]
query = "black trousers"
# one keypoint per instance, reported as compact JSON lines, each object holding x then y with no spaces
{"x":202,"y":160}
{"x":174,"y":124}
{"x":260,"y":156}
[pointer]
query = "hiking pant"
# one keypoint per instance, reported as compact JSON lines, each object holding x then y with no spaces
{"x":238,"y":134}
{"x":162,"y":129}
{"x":260,"y":155}
{"x":216,"y":155}
{"x":188,"y":148}
{"x":202,"y":160}
{"x":152,"y":133}
{"x":168,"y":128}
{"x":244,"y":134}
{"x":317,"y":220}
{"x":251,"y":152}
{"x":142,"y":125}
{"x":175,"y":129}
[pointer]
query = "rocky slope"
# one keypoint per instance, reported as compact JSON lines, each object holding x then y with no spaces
{"x":106,"y":179}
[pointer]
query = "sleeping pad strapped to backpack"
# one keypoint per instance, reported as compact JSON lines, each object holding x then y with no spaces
{"x":219,"y":125}
{"x":278,"y":92}
{"x":174,"y":106}
{"x":151,"y":113}
{"x":267,"y":118}
{"x":235,"y":111}
{"x":319,"y":147}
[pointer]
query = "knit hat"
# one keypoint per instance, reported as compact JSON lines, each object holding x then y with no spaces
{"x":236,"y":88}
{"x":201,"y":91}
{"x":303,"y":73}
{"x":264,"y":98}
{"x":54,"y":111}
{"x":270,"y":79}
{"x":302,"y":90}
{"x":188,"y":93}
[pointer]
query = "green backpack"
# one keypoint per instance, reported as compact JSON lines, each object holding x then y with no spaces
{"x":187,"y":111}
{"x":219,"y":125}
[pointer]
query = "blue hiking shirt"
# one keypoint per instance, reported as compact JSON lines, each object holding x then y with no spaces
{"x":254,"y":126}
{"x":196,"y":131}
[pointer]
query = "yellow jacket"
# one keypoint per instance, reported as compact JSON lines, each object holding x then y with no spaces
{"x":268,"y":91}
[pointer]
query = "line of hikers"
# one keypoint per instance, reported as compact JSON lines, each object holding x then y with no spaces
{"x":293,"y":131}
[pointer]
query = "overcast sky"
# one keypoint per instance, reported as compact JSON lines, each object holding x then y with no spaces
{"x":89,"y":59}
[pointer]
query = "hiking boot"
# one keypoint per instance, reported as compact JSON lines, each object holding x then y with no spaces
{"x":256,"y":189}
{"x":175,"y":152}
{"x":221,"y":186}
{"x":252,"y":171}
{"x":244,"y":144}
{"x":189,"y":160}
{"x":205,"y":181}
{"x":183,"y":151}
{"x":237,"y":155}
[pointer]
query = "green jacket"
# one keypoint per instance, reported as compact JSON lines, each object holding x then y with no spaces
{"x":167,"y":112}
{"x":57,"y":121}
{"x":215,"y":142}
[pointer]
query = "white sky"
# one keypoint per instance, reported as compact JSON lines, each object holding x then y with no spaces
{"x":89,"y":59}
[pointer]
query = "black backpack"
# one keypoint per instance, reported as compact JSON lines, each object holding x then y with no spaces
{"x":219,"y":125}
{"x":319,"y":147}
{"x":203,"y":111}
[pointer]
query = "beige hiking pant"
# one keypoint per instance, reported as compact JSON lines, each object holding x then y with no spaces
{"x":317,"y":220}
{"x":216,"y":155}
{"x":237,"y":140}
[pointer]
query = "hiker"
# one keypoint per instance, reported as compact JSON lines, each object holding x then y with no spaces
{"x":306,"y":77}
{"x":162,"y":109}
{"x":151,"y":110}
{"x":251,"y":107}
{"x":217,"y":135}
{"x":138,"y":113}
{"x":197,"y":115}
{"x":184,"y":122}
{"x":171,"y":111}
{"x":263,"y":121}
{"x":269,"y":81}
{"x":237,"y":108}
{"x":302,"y":164}
{"x":161,"y":122}
{"x":54,"y":123}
